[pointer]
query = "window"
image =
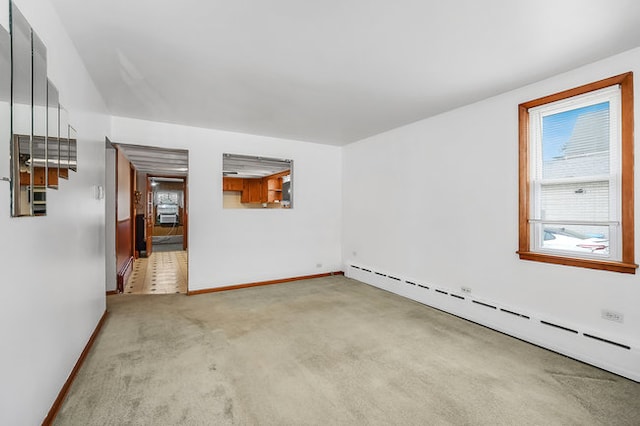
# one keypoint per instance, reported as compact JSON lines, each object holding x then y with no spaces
{"x":250,"y":182}
{"x":576,"y":177}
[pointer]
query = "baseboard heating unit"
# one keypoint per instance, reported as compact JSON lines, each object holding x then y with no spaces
{"x":590,"y":346}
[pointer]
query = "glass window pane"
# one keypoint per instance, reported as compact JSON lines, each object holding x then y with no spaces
{"x":575,"y":143}
{"x":585,"y":201}
{"x":21,"y":96}
{"x":582,"y":239}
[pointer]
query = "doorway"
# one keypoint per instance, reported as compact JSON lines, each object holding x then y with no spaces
{"x":157,"y":244}
{"x":161,"y":262}
{"x":166,"y":215}
{"x":159,"y":273}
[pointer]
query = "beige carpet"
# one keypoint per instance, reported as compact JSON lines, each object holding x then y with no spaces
{"x":329,"y":351}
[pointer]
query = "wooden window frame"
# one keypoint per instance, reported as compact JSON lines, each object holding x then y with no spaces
{"x":627,"y":264}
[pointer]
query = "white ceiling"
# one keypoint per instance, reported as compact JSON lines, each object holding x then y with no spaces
{"x":156,"y":161}
{"x":245,"y":166}
{"x":331,"y":71}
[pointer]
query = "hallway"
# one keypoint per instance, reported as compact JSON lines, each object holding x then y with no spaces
{"x":160,"y":273}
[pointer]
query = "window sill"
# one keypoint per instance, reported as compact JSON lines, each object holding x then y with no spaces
{"x":625,"y":268}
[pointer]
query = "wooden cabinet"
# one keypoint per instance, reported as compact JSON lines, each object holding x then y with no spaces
{"x":252,"y":191}
{"x":232,"y":184}
{"x":53,"y":177}
{"x":38,"y":177}
{"x":25,"y":179}
{"x":256,"y":190}
{"x":274,"y":189}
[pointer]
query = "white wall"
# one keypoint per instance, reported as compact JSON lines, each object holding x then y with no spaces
{"x":437,"y":201}
{"x":4,"y":14}
{"x":235,"y":246}
{"x":111,"y":259}
{"x":53,"y":271}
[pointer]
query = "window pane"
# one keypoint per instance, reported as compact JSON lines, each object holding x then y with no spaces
{"x":576,"y":238}
{"x":575,"y":201}
{"x":575,"y":143}
{"x":576,"y":151}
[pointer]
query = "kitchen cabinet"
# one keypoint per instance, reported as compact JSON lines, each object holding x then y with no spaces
{"x":53,"y":177}
{"x":256,"y":190}
{"x":252,"y":191}
{"x":274,"y":189}
{"x":232,"y":184}
{"x":38,"y":177}
{"x":25,"y":178}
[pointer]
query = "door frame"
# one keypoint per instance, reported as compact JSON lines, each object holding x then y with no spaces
{"x":149,"y":220}
{"x":149,"y":204}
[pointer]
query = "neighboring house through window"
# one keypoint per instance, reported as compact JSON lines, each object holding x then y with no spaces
{"x":576,"y":177}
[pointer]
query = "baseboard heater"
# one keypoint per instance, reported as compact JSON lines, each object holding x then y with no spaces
{"x":123,"y":274}
{"x":589,"y":346}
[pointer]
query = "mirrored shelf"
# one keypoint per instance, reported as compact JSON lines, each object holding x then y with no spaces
{"x":43,"y":145}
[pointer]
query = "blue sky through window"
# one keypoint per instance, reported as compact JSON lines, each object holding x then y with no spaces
{"x":558,"y":128}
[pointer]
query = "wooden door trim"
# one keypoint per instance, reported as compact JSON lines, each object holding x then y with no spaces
{"x":132,"y":208}
{"x":148,"y":217}
{"x":185,"y":224}
{"x":185,"y":209}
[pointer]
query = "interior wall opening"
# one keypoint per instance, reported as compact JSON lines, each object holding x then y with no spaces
{"x":156,"y":245}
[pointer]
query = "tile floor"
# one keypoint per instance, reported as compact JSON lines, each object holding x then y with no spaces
{"x":160,"y":273}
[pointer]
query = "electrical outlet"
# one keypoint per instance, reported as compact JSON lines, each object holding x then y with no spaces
{"x":318,"y":265}
{"x":612,"y":316}
{"x":465,"y":289}
{"x":355,"y":253}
